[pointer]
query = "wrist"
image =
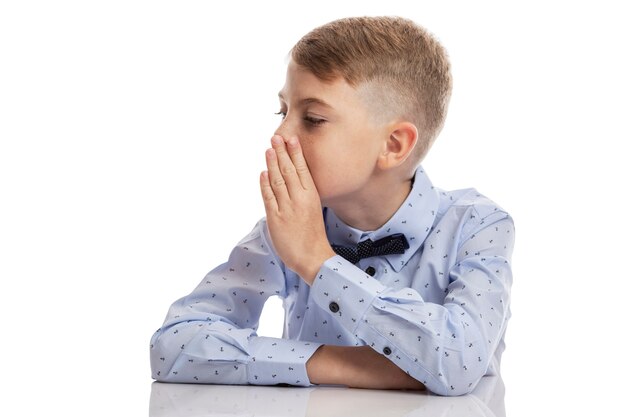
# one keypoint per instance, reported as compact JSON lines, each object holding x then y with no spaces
{"x":357,"y":367}
{"x":321,"y":367}
{"x":308,"y":271}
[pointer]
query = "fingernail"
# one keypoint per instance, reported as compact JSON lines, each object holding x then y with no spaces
{"x":293,"y":141}
{"x":276,"y":139}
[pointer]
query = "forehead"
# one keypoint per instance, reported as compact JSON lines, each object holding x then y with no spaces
{"x":300,"y":83}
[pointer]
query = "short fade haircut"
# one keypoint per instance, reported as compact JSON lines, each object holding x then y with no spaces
{"x":403,"y":64}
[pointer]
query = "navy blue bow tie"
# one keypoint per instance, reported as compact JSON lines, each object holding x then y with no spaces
{"x":390,"y":245}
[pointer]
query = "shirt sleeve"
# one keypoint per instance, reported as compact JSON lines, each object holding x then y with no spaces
{"x":447,"y":346}
{"x":209,"y":336}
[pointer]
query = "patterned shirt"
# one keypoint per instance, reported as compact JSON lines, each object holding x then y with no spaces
{"x":439,"y":311}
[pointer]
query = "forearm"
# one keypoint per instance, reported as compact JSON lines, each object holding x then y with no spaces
{"x":357,"y":367}
{"x":448,"y":347}
{"x":219,"y":353}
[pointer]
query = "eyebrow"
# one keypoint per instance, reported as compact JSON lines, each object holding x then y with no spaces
{"x":309,"y":100}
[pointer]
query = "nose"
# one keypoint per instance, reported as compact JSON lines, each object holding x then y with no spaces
{"x":286,"y":129}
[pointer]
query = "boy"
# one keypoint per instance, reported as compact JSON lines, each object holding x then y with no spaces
{"x":387,"y":281}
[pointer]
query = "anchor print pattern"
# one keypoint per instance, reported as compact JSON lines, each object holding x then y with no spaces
{"x":439,"y":311}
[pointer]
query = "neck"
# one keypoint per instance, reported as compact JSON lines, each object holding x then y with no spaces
{"x":368,"y":210}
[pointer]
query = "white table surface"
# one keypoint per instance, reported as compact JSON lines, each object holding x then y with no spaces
{"x":178,"y":400}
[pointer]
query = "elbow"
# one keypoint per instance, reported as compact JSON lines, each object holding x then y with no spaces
{"x":455,"y":379}
{"x":456,"y":387}
{"x":162,"y":357}
{"x":181,"y":354}
{"x":158,"y":371}
{"x":454,"y":384}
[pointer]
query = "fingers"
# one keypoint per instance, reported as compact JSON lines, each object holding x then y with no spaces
{"x":299,"y":163}
{"x":269,"y":200}
{"x":276,"y":180}
{"x":287,"y":169}
{"x":287,"y":172}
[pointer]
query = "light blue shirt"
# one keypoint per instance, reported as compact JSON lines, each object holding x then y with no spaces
{"x":439,"y":311}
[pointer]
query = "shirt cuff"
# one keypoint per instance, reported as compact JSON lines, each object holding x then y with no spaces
{"x":280,"y":361}
{"x":345,"y":290}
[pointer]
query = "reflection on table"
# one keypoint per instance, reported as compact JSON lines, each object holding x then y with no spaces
{"x":177,"y":400}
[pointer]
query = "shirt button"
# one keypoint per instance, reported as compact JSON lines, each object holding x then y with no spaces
{"x":370,"y":271}
{"x":387,"y":351}
{"x":334,"y":307}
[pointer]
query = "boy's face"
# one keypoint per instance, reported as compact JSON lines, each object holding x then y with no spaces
{"x":340,"y":139}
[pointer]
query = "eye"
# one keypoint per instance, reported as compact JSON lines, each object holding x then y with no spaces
{"x":313,"y":121}
{"x":310,"y":120}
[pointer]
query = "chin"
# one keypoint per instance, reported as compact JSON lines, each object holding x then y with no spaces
{"x":337,"y":194}
{"x":328,"y":201}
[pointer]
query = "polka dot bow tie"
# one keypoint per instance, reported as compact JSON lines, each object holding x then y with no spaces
{"x":390,"y":245}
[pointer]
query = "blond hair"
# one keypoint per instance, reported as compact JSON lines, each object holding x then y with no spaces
{"x":399,"y":60}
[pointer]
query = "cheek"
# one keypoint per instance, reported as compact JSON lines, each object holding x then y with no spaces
{"x":325,"y":164}
{"x":309,"y":156}
{"x":306,"y":143}
{"x":315,"y":159}
{"x":325,"y":154}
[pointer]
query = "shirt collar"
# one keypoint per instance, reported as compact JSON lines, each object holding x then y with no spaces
{"x":414,"y":218}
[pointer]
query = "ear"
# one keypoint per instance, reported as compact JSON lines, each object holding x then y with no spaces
{"x":400,"y":142}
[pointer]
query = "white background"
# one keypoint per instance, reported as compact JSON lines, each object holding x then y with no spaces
{"x":131,"y":140}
